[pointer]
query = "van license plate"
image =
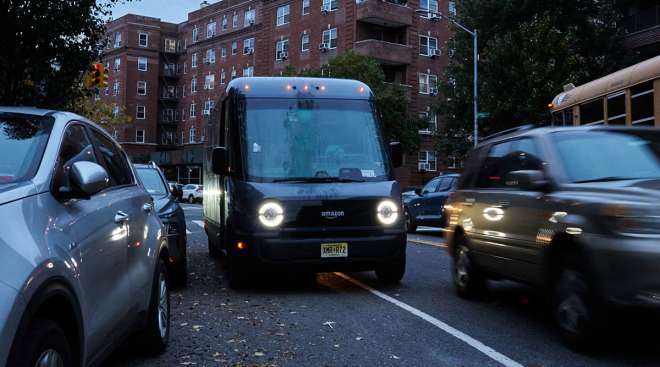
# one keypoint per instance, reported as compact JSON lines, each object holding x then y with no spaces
{"x":334,"y":249}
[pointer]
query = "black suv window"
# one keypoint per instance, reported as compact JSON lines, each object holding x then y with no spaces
{"x":113,"y":160}
{"x":431,"y":186}
{"x":75,"y":147}
{"x":506,"y":157}
{"x":445,"y":184}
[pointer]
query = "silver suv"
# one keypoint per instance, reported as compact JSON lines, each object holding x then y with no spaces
{"x":572,"y":210}
{"x":82,"y":253}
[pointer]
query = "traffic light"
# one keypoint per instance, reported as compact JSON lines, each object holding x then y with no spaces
{"x":104,"y":77}
{"x":96,"y":77}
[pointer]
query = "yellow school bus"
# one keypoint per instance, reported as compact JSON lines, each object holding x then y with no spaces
{"x":630,"y":96}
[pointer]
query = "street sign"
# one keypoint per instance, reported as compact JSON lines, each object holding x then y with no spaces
{"x":483,"y":115}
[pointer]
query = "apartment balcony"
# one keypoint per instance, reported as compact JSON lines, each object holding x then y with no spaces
{"x":169,"y":73}
{"x":387,"y":53}
{"x":384,"y":13}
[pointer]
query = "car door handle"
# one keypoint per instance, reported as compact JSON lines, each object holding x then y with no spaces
{"x":147,"y":207}
{"x":121,"y":217}
{"x":503,"y":204}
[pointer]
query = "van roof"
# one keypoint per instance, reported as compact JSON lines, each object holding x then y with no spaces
{"x":297,"y":87}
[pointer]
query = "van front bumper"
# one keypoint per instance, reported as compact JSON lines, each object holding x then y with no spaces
{"x":298,"y":251}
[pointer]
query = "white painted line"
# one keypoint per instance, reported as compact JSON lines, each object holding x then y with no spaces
{"x":199,"y":223}
{"x":425,"y":228}
{"x":188,"y":231}
{"x":427,"y":243}
{"x":185,"y":207}
{"x":474,"y":343}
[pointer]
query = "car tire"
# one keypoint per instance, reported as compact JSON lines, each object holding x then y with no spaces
{"x":191,"y":199}
{"x":411,"y":227}
{"x":214,"y":251}
{"x":392,"y":273}
{"x":468,"y":280}
{"x":44,"y":342}
{"x":153,"y":339}
{"x":574,"y":310}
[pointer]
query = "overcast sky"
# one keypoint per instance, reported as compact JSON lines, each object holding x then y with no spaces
{"x":175,"y":11}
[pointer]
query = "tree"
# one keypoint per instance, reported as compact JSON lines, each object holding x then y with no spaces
{"x":391,"y":101}
{"x":528,"y":51}
{"x":98,"y":111}
{"x":47,"y":47}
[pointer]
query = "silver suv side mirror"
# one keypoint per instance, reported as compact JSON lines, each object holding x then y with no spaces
{"x":88,"y":177}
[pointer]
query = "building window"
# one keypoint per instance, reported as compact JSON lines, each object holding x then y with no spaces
{"x":210,"y":30}
{"x":170,"y":45}
{"x":283,"y":15}
{"x":117,"y":65}
{"x":234,"y":47}
{"x":248,"y":46}
{"x":193,"y":111}
{"x":191,"y":135}
{"x":249,"y":17}
{"x":428,"y":46}
{"x":143,"y":40}
{"x":428,"y":161}
{"x":193,"y":60}
{"x":208,"y":106}
{"x":115,"y":135}
{"x":115,"y":88}
{"x":223,"y":52}
{"x":139,"y":136}
{"x":234,"y":21}
{"x":428,"y":84}
{"x":304,"y":42}
{"x":117,"y":39}
{"x":305,"y":7}
{"x":431,"y":6}
{"x":195,"y":34}
{"x":233,"y":73}
{"x":222,"y":76}
{"x":140,"y":112}
{"x":209,"y":81}
{"x":193,"y":85}
{"x":142,"y":63}
{"x":141,"y":88}
{"x":224,"y":22}
{"x":282,"y":49}
{"x":452,"y":8}
{"x":115,"y":110}
{"x":432,"y":120}
{"x":248,"y":71}
{"x":210,"y":56}
{"x":329,"y":5}
{"x":330,"y":38}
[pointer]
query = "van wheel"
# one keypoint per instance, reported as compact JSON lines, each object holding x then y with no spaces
{"x":44,"y":344}
{"x":153,"y":339}
{"x":411,"y":227}
{"x":574,"y":310}
{"x":392,"y":273}
{"x":468,"y":281}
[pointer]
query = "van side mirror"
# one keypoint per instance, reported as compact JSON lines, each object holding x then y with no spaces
{"x":220,"y":161}
{"x":396,"y":154}
{"x":530,"y":180}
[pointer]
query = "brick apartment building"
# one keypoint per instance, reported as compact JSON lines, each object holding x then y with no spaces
{"x":168,"y":76}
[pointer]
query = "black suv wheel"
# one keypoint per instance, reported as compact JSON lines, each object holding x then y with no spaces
{"x":411,"y":227}
{"x":468,"y":281}
{"x":574,"y":309}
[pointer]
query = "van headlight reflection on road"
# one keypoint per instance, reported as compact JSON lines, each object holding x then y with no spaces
{"x":271,"y":214}
{"x":493,"y":214}
{"x":387,"y":212}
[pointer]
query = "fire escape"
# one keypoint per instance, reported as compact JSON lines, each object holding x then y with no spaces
{"x":169,"y":94}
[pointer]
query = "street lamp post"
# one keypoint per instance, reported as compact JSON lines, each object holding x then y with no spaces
{"x":473,"y":33}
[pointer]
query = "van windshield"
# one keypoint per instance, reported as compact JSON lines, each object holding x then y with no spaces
{"x":312,"y":139}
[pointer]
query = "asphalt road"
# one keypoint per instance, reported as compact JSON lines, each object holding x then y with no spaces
{"x":352,"y":320}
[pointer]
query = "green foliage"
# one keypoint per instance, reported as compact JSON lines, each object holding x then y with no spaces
{"x":390,"y":98}
{"x":98,"y":111}
{"x":528,"y":51}
{"x":48,"y":46}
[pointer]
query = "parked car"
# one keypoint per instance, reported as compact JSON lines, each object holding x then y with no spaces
{"x":82,"y":261}
{"x":193,"y":193}
{"x":557,"y":208}
{"x":176,"y":189}
{"x":173,"y":218}
{"x":426,"y":206}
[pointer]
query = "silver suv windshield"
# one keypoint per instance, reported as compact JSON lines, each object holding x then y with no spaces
{"x":314,"y":140}
{"x":23,"y":139}
{"x":598,"y":156}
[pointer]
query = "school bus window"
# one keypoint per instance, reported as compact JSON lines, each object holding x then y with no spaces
{"x":616,"y":108}
{"x":641,"y":104}
{"x":592,"y":112}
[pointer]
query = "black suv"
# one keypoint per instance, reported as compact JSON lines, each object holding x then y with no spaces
{"x":171,"y":214}
{"x":574,"y":210}
{"x":425,"y":206}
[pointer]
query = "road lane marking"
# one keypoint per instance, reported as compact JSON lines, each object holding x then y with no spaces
{"x":185,"y":207}
{"x":428,"y":243}
{"x":474,"y":343}
{"x":199,"y":223}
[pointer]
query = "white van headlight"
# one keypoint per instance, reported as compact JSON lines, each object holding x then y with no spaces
{"x":271,"y":214}
{"x":387,"y":212}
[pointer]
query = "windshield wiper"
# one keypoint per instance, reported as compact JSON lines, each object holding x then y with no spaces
{"x":318,"y":179}
{"x":605,"y":179}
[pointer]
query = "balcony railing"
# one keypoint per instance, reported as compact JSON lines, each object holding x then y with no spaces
{"x":384,"y":13}
{"x":386,"y":52}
